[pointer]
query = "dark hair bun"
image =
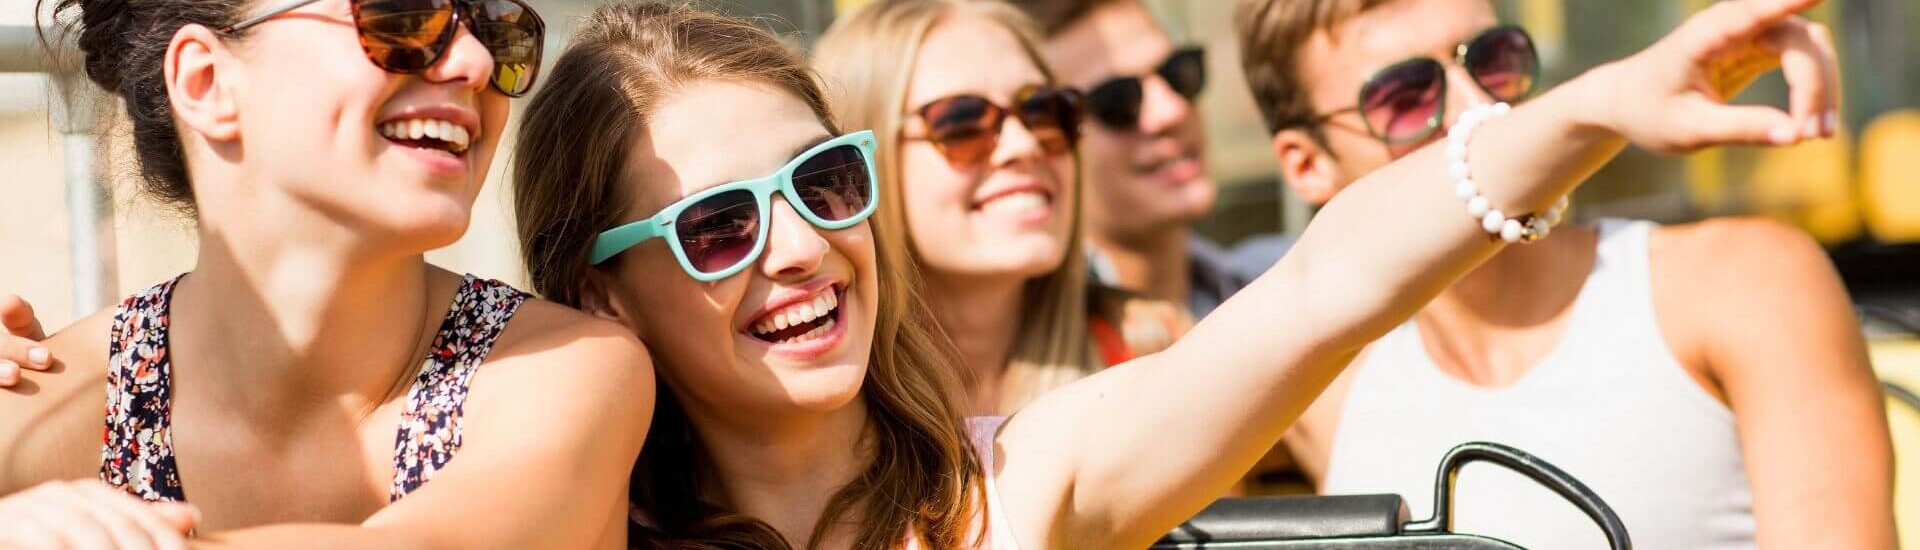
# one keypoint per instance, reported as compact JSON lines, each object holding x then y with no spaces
{"x":105,"y":26}
{"x":124,"y":44}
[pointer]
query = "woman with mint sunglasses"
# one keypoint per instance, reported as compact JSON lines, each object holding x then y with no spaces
{"x":810,"y":400}
{"x":720,"y":231}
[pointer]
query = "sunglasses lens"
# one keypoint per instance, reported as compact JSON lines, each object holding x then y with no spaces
{"x":1402,"y":104}
{"x":1053,"y":115}
{"x":965,"y":127}
{"x":719,"y":231}
{"x":1186,"y":72}
{"x":1116,"y":102}
{"x":404,"y":35}
{"x":512,"y":32}
{"x":834,"y":184}
{"x":1503,"y":62}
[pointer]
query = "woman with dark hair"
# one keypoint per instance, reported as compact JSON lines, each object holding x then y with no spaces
{"x":312,"y":373}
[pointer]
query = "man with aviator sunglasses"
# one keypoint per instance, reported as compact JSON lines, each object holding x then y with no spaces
{"x":1143,"y":151}
{"x":1682,"y":372}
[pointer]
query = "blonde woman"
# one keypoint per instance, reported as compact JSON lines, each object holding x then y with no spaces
{"x":978,"y":169}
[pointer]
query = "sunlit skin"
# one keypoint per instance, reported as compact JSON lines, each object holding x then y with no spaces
{"x":748,"y":380}
{"x":1147,"y":185}
{"x":1146,"y":179}
{"x":978,"y":238}
{"x":955,"y":233}
{"x":1494,"y":325}
{"x":1072,"y":467}
{"x":783,"y":422}
{"x":309,"y":302}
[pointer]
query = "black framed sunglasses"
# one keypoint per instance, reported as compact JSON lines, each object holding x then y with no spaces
{"x":409,"y":36}
{"x":1115,"y":102}
{"x":1407,"y":101}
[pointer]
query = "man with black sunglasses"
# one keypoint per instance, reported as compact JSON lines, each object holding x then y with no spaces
{"x":1142,"y":151}
{"x":1707,"y":380}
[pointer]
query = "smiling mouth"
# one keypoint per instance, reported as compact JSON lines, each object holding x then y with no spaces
{"x":802,"y":322}
{"x":427,"y":134}
{"x":1018,"y":201}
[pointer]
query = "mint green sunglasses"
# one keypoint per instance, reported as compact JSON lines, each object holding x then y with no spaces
{"x":721,"y":230}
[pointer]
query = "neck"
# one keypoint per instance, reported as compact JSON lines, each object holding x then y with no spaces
{"x":281,"y":324}
{"x":785,"y":473}
{"x":1155,"y":264}
{"x":982,"y":316}
{"x":1497,"y":321}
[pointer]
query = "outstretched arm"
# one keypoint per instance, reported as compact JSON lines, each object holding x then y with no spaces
{"x":1119,"y":458}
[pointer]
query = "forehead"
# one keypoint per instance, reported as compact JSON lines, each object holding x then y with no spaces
{"x":1343,"y":57}
{"x":711,"y":132}
{"x":970,"y":54}
{"x":1116,"y":38}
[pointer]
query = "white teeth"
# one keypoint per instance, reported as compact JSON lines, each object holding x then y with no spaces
{"x":1024,"y":200}
{"x":456,"y":137}
{"x":804,"y":312}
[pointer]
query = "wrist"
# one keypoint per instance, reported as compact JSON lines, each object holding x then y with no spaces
{"x":1590,"y":103}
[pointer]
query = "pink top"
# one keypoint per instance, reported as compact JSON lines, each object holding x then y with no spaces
{"x":981,"y":431}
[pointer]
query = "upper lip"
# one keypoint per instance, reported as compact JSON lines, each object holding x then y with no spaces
{"x":789,"y":296}
{"x":986,"y":195}
{"x":1165,"y":155}
{"x":463,"y":117}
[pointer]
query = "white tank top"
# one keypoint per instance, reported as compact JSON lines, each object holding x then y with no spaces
{"x":1609,"y":405}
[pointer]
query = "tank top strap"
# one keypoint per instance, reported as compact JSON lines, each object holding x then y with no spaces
{"x":982,"y":430}
{"x":1621,"y":285}
{"x":137,"y":451}
{"x":429,"y":433}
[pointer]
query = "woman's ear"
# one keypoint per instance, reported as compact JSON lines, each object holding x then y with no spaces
{"x":596,"y":297}
{"x":200,"y":92}
{"x":1306,"y":166}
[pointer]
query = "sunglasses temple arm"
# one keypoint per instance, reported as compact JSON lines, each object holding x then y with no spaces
{"x":255,"y":20}
{"x":619,"y":239}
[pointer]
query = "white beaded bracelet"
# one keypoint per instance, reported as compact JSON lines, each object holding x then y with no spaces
{"x":1524,"y":228}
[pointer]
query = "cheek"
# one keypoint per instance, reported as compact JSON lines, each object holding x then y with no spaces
{"x":1102,"y":147}
{"x":931,"y":190}
{"x":494,"y":111}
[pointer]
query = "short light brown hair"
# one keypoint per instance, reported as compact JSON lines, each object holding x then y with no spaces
{"x":1271,"y":34}
{"x":1053,"y":16}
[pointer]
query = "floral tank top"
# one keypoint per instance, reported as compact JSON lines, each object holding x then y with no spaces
{"x":137,"y":455}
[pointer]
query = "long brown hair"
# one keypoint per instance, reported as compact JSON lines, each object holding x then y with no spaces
{"x":868,"y":59}
{"x":570,"y":185}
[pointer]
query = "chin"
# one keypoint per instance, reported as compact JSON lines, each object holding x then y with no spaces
{"x":824,"y":388}
{"x":432,"y":227}
{"x":1035,"y":260}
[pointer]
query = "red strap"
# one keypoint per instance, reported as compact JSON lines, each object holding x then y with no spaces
{"x":1113,"y":346}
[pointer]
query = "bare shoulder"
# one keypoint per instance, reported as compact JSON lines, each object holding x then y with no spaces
{"x":51,"y":421}
{"x":554,"y":358}
{"x":1721,"y":255}
{"x":1739,"y":290}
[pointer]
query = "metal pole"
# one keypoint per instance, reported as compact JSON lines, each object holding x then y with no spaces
{"x":21,"y":51}
{"x":85,"y":210}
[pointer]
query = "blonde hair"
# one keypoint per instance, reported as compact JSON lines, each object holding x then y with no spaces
{"x":868,"y":60}
{"x":570,"y":184}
